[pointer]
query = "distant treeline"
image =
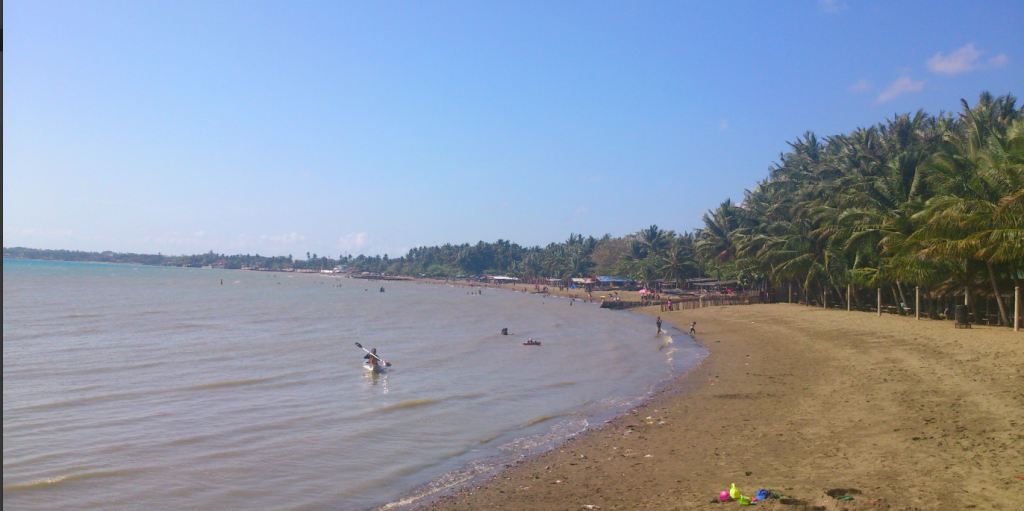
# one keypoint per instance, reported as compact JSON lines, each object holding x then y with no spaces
{"x":231,"y":262}
{"x":77,"y":255}
{"x":935,"y":202}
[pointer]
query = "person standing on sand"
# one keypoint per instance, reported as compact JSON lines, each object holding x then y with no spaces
{"x":693,"y":328}
{"x":659,"y":325}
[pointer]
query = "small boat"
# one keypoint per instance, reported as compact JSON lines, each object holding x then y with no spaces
{"x":531,"y":343}
{"x":377,"y":369}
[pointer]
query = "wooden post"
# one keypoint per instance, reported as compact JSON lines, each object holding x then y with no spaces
{"x":791,"y":292}
{"x":879,"y":302}
{"x":824,"y":298}
{"x":917,"y":303}
{"x":848,"y":298}
{"x":1016,"y":309}
{"x":967,"y":294}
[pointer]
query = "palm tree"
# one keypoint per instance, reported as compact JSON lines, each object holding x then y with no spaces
{"x":655,"y":239}
{"x":980,"y":173}
{"x":716,"y":241}
{"x":677,"y":262}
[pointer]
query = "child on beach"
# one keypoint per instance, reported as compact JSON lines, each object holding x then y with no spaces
{"x":693,"y":328}
{"x":659,"y":324}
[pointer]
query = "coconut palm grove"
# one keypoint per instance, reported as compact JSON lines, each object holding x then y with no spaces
{"x":933,"y":203}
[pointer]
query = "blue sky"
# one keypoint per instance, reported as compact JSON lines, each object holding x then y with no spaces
{"x":286,"y":127}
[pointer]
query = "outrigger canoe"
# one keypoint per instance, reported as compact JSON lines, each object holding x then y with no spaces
{"x":533,"y":343}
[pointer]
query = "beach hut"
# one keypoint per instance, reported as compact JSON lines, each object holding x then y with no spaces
{"x":555,"y":282}
{"x":586,"y":283}
{"x":502,"y":279}
{"x":717,"y":286}
{"x":604,"y":282}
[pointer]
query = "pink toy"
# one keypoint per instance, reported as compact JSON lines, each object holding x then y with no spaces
{"x":724,"y":496}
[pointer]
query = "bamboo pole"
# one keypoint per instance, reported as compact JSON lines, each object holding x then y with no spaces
{"x":917,"y":303}
{"x":848,"y":298}
{"x":879,"y":302}
{"x":1016,"y":309}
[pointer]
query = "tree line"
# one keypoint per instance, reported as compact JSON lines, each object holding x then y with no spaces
{"x":231,"y":262}
{"x":934,"y":202}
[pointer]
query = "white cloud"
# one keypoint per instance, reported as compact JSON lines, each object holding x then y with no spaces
{"x":723,"y":125}
{"x":832,"y":6}
{"x":862,"y":87}
{"x":964,"y":60}
{"x":353,"y":242}
{"x":998,"y":61}
{"x":582,"y":210}
{"x":902,"y":85}
{"x":284,"y":239}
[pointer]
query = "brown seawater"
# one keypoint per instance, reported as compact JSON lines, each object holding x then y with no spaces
{"x":129,"y":387}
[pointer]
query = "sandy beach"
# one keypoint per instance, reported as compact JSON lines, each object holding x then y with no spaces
{"x":813,"y":404}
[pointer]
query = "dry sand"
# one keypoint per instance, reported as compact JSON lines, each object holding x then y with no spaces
{"x":897,"y":413}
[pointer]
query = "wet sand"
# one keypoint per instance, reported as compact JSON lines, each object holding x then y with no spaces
{"x":897,"y":413}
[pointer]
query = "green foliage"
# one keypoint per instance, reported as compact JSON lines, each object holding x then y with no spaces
{"x":917,"y":200}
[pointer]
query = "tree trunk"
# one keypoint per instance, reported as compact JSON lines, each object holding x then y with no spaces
{"x":933,"y":309}
{"x":973,"y":304}
{"x":999,"y":298}
{"x":841,"y":294}
{"x":896,"y":298}
{"x":856,"y":300}
{"x":903,"y":297}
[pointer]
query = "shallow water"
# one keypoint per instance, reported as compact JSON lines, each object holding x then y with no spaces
{"x":130,"y":387}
